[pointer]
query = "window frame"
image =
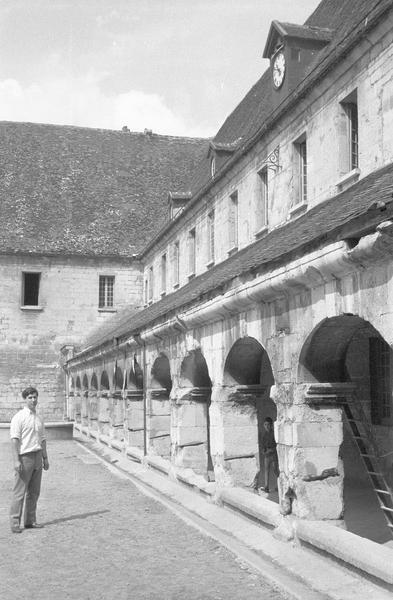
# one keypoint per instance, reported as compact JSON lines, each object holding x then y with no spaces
{"x":163,"y":273}
{"x":211,"y":237}
{"x":192,"y":252}
{"x":106,"y":292}
{"x":176,"y":264}
{"x":262,"y":205}
{"x":24,"y":304}
{"x":233,"y":221}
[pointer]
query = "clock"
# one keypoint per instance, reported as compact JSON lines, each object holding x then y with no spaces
{"x":278,"y":69}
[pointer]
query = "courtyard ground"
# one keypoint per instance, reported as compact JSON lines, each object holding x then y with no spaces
{"x":104,"y":539}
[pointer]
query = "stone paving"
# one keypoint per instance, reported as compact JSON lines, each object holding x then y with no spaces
{"x":104,"y":539}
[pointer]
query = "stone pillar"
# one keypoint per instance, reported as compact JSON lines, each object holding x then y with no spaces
{"x":309,"y":434}
{"x":135,"y":421}
{"x":71,"y":405}
{"x":158,"y":422}
{"x":189,"y":434}
{"x":117,"y":416}
{"x":104,"y":410}
{"x":234,"y":434}
{"x":90,"y":411}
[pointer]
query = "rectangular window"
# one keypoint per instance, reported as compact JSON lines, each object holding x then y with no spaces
{"x":31,"y":289}
{"x":191,"y":252}
{"x":163,"y":274}
{"x":233,"y":221}
{"x":210,"y":237}
{"x":150,"y":284}
{"x":262,"y":200}
{"x":146,"y":291}
{"x":351,"y":158}
{"x":105,"y":291}
{"x":176,"y":264}
{"x":380,"y":381}
{"x":301,"y":170}
{"x":349,"y":134}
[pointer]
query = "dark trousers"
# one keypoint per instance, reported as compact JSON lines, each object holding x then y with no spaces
{"x":27,"y":485}
{"x":270,"y":462}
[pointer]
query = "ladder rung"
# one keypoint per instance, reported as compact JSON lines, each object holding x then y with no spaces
{"x":383,"y":492}
{"x":368,"y":455}
{"x":375,"y":473}
{"x":386,"y":508}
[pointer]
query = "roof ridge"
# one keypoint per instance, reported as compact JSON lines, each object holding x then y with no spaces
{"x":106,"y":130}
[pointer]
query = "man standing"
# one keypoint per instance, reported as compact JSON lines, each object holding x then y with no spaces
{"x":30,"y":456}
{"x":269,"y":449}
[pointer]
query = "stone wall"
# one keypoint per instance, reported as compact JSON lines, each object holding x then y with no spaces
{"x":31,"y":338}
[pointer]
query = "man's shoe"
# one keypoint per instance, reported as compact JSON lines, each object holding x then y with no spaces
{"x":16,"y":529}
{"x":33,"y":526}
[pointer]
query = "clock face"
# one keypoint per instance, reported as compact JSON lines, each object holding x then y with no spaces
{"x":278,"y":69}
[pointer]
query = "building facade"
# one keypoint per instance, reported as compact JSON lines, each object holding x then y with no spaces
{"x":269,"y":291}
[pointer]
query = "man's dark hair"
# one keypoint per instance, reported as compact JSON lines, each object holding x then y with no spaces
{"x":268,"y":420}
{"x":28,"y":391}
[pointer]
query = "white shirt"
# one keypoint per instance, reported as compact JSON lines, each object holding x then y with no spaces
{"x":29,"y":429}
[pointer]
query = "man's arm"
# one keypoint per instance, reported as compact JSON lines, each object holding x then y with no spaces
{"x":15,"y":446}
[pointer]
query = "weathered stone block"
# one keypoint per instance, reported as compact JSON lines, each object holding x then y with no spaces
{"x":190,"y":435}
{"x":194,"y":457}
{"x":159,"y":423}
{"x":317,"y":434}
{"x":159,"y":407}
{"x":319,"y":499}
{"x":239,"y":441}
{"x":241,"y":470}
{"x":191,"y":415}
{"x":135,"y":438}
{"x":160,"y":446}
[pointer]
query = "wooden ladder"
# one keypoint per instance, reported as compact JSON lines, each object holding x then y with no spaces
{"x":368,"y":449}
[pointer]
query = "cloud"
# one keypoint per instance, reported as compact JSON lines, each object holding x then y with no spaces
{"x":81,"y":102}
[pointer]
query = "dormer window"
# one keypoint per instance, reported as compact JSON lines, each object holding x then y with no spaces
{"x":177,"y":202}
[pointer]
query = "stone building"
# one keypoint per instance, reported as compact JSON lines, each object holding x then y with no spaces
{"x":268,"y":291}
{"x":76,"y":205}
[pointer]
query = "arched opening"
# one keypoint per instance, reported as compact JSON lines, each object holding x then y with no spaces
{"x":78,"y":385}
{"x":94,"y":383}
{"x":85,"y":383}
{"x":248,"y":377}
{"x":192,"y":417}
{"x":159,"y":412}
{"x":135,"y":377}
{"x":135,"y":416}
{"x":349,"y":351}
{"x":161,"y":375}
{"x":104,"y":381}
{"x":118,"y":379}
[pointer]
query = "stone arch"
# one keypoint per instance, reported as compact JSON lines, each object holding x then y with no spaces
{"x":94,"y":383}
{"x":78,"y":385}
{"x":194,"y":371}
{"x":85,"y":383}
{"x":104,"y":381}
{"x":135,"y":377}
{"x":191,"y":417}
{"x":159,"y":410}
{"x":248,"y":378}
{"x":118,"y":379}
{"x":348,"y":354}
{"x":322,"y":358}
{"x":248,"y":363}
{"x":161,"y":374}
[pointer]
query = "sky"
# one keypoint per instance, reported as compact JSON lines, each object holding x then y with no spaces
{"x":178,"y":67}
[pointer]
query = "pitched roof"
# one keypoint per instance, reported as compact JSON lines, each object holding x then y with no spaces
{"x":74,"y":190}
{"x":324,"y":221}
{"x":344,"y":22}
